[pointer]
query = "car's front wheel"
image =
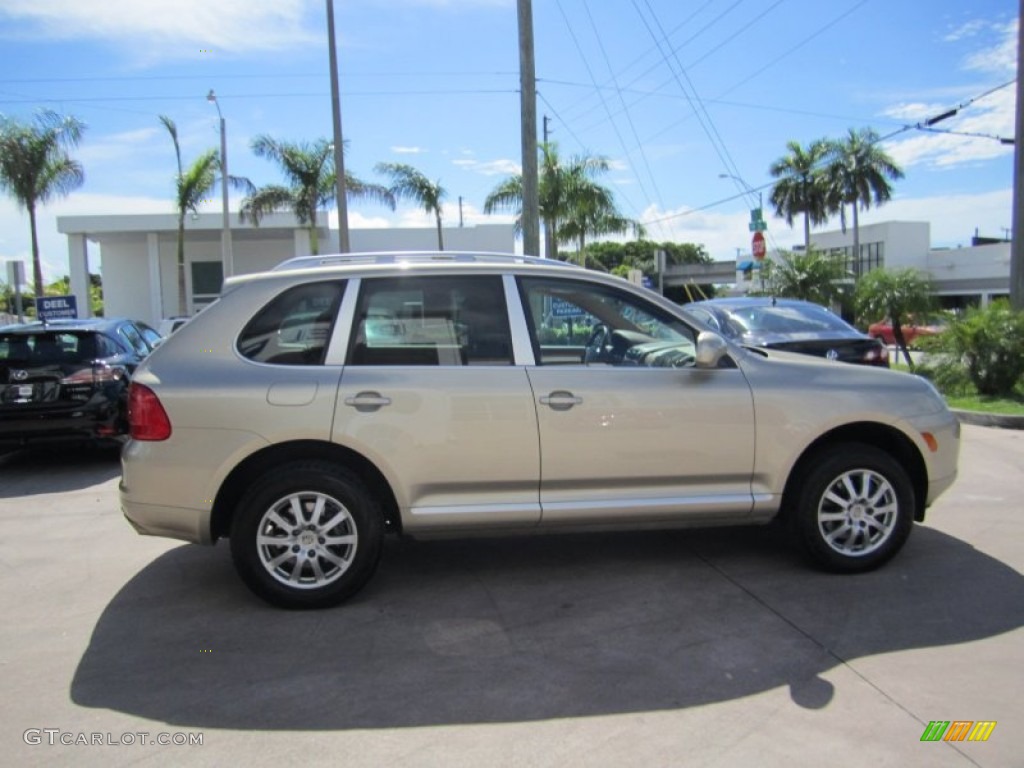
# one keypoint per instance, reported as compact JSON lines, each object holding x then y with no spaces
{"x":306,"y":536}
{"x":854,"y":508}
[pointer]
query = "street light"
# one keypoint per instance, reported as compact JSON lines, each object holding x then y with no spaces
{"x":749,"y":188}
{"x":225,"y":235}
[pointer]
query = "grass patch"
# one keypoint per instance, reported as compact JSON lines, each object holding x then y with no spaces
{"x":972,"y":401}
{"x":1007,"y":406}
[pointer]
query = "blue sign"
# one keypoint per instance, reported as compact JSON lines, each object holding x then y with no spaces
{"x":57,"y":308}
{"x":563,"y":308}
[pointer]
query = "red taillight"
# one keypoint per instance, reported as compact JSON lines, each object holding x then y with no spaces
{"x":147,"y":418}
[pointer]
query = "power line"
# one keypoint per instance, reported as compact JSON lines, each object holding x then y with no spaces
{"x":289,"y":95}
{"x":629,"y":117}
{"x":732,"y":37}
{"x":590,"y":72}
{"x":821,"y":30}
{"x":655,"y":48}
{"x":922,"y":125}
{"x":247,"y":76}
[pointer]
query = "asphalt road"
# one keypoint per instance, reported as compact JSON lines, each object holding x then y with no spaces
{"x":697,"y":648}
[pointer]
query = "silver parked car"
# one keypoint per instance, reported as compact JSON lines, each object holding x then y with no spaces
{"x":313,"y":409}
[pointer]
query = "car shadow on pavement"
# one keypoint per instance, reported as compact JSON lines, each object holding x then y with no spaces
{"x":506,"y":630}
{"x":57,"y":469}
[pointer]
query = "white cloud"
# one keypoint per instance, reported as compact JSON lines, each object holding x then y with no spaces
{"x":993,"y":115}
{"x":1000,"y":58}
{"x":407,"y":150}
{"x":175,"y":29}
{"x":953,"y":217}
{"x":914,"y":111}
{"x":501,"y":167}
{"x":968,"y":29}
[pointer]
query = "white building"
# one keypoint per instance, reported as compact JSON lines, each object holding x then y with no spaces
{"x":139,"y":254}
{"x":973,"y":274}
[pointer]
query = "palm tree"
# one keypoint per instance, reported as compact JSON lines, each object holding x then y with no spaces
{"x":858,"y":174}
{"x":408,"y":183}
{"x":571,"y":203}
{"x":35,"y":166}
{"x":801,"y":188}
{"x":896,"y":294}
{"x":593,"y":212}
{"x":191,"y":185}
{"x":811,"y":276}
{"x":309,"y":169}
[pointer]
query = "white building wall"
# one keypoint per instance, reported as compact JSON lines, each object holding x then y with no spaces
{"x":126,"y":280}
{"x":906,"y":242}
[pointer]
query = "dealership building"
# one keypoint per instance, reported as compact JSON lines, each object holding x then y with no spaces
{"x":139,"y":256}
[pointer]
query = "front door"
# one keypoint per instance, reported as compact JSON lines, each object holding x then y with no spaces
{"x":627,"y":424}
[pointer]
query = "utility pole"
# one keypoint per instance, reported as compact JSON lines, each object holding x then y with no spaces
{"x":1017,"y":248}
{"x":339,"y":148}
{"x":545,"y":123}
{"x":528,"y":129}
{"x":460,"y":211}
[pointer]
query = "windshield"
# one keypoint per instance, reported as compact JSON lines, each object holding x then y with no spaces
{"x":785,"y":319}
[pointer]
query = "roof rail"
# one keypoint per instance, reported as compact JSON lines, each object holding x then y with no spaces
{"x":407,"y":257}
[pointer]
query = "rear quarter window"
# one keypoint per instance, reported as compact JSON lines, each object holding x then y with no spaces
{"x":294,"y":327}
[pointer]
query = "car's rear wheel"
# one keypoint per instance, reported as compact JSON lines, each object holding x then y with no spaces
{"x":854,"y":508}
{"x":307,"y":536}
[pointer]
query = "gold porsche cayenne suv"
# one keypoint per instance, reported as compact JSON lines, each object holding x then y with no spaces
{"x":316,"y":408}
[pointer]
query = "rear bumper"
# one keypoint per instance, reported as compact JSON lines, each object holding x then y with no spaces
{"x":192,"y":525}
{"x":85,"y":422}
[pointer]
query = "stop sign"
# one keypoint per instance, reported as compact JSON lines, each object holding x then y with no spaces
{"x":757,"y":247}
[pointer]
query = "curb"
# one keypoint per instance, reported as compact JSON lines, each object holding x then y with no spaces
{"x":978,"y":418}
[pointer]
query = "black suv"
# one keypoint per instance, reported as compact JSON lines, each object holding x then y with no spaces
{"x":68,"y":379}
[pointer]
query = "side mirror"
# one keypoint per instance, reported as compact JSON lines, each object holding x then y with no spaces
{"x":711,"y":348}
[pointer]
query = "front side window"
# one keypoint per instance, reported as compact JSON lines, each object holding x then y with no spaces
{"x":577,"y":322}
{"x":433,"y":320}
{"x":293,"y":329}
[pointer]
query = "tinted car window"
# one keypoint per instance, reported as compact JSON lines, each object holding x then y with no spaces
{"x":134,"y":339}
{"x":293,"y":328}
{"x":786,"y":319}
{"x":573,"y":322}
{"x":432,"y":321}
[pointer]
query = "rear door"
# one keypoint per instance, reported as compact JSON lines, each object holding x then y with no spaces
{"x":431,"y":395}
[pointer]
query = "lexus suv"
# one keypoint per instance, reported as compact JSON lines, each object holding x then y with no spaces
{"x":314,"y":409}
{"x":68,"y":379}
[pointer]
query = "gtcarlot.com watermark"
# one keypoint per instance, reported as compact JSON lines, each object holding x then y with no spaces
{"x":55,"y":736}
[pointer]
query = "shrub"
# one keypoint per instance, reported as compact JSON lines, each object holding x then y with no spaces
{"x":989,"y":346}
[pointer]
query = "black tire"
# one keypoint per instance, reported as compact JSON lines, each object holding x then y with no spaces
{"x":854,"y":508}
{"x":324,"y":558}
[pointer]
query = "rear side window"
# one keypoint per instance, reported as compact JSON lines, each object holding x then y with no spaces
{"x":432,"y":321}
{"x":293,"y":329}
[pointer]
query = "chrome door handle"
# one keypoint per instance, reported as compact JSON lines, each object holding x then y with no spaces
{"x":367,"y":401}
{"x":560,"y":400}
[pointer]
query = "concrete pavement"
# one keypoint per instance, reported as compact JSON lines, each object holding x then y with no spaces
{"x":705,"y":648}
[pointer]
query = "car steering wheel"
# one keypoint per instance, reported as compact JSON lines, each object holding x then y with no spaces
{"x":595,"y":350}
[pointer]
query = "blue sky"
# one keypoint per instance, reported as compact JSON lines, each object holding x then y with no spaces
{"x":672,"y":93}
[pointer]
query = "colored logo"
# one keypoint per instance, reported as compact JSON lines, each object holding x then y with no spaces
{"x":958,"y":730}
